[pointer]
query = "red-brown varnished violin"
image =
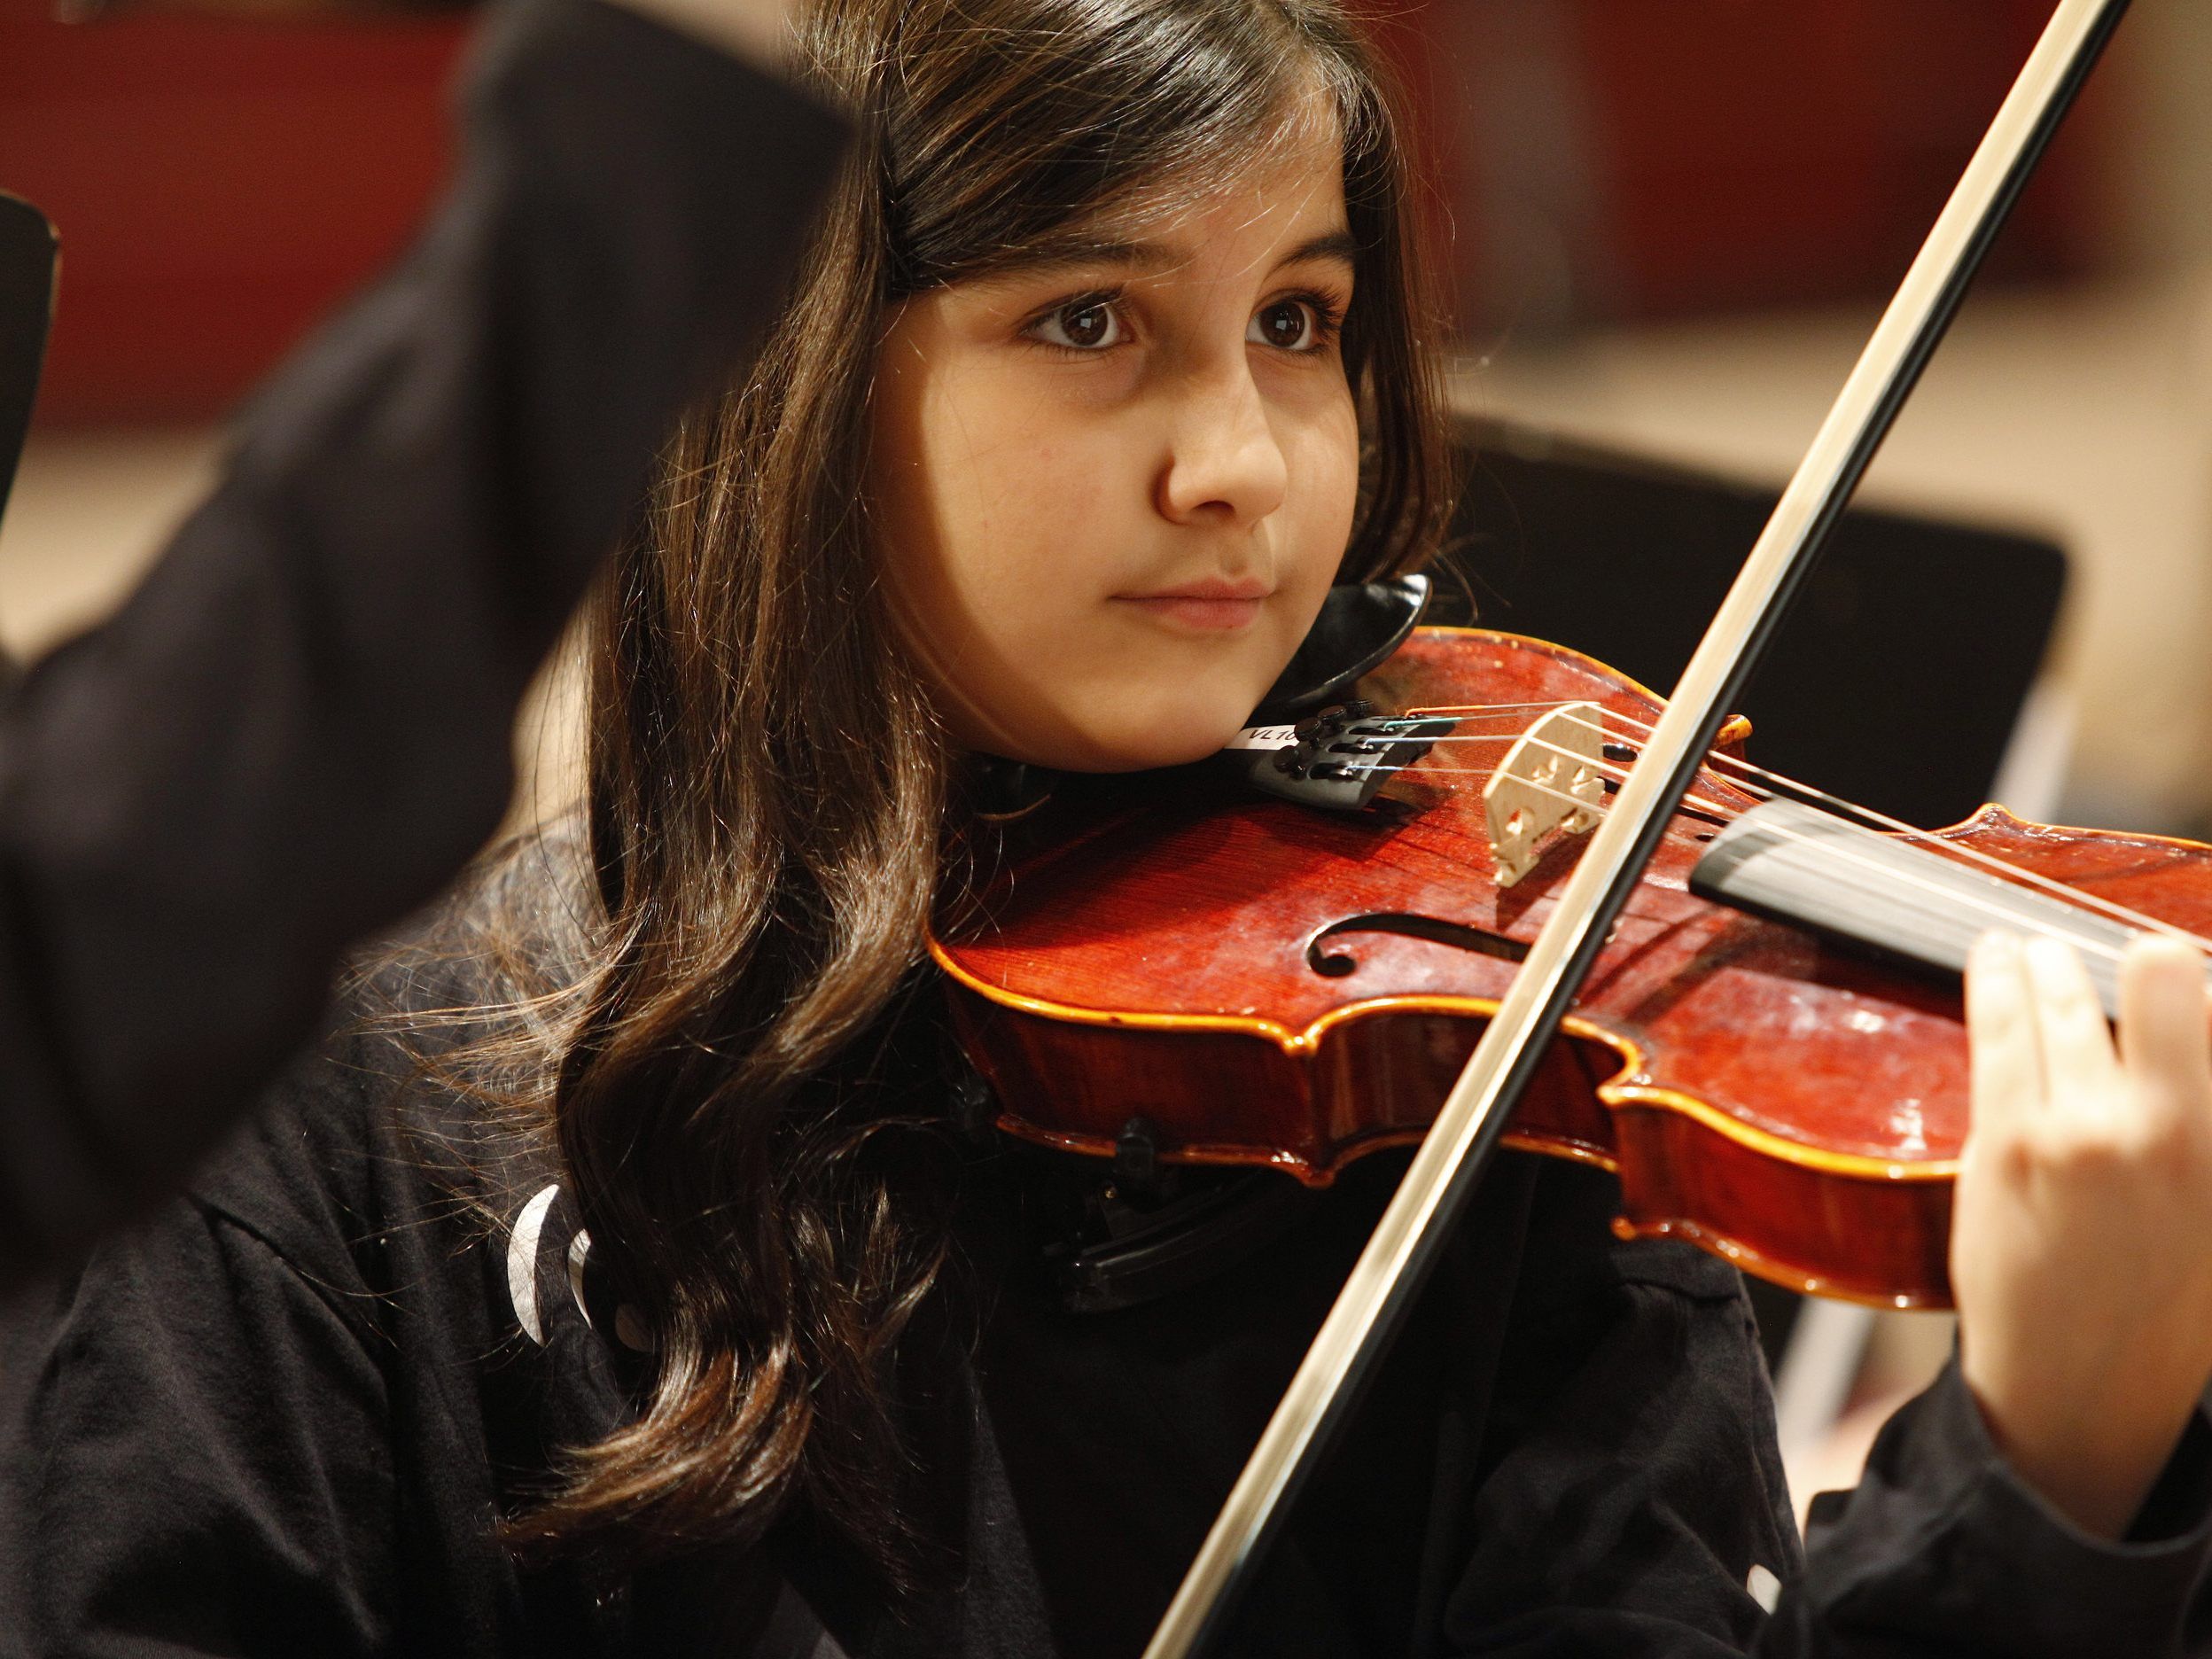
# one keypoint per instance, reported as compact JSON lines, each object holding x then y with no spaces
{"x":1248,"y":980}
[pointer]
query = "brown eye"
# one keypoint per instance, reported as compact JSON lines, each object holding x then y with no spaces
{"x":1287,"y":325}
{"x":1087,"y":325}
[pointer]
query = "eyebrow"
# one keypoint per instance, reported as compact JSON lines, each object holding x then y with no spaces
{"x":1153,"y":256}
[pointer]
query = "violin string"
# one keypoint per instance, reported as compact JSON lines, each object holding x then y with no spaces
{"x":2086,"y":900}
{"x":1976,"y":901}
{"x":2071,"y":896}
{"x":1988,"y":904}
{"x":2010,"y":871}
{"x":2074,"y":897}
{"x":1445,"y":708}
{"x":1613,"y":770}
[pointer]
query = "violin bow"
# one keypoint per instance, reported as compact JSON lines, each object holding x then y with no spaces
{"x":28,"y":265}
{"x":1442,"y":1178}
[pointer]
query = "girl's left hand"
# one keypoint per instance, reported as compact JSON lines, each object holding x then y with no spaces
{"x":2081,"y":1253}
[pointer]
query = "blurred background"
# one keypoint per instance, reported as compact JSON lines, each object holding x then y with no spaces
{"x":1669,"y":225}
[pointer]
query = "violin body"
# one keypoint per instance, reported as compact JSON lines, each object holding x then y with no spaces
{"x":1250,"y":981}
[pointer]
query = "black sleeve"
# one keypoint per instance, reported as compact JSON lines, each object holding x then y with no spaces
{"x":298,"y":727}
{"x":1632,"y":1484}
{"x":197,"y":1460}
{"x":1942,"y":1549}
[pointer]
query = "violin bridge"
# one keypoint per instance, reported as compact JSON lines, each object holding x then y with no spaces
{"x":1552,"y":778}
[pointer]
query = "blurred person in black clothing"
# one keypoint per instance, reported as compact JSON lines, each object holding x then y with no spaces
{"x":298,"y":727}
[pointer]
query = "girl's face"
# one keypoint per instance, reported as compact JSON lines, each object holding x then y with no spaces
{"x":1113,"y":484}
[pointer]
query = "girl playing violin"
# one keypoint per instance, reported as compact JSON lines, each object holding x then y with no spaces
{"x":615,"y":1279}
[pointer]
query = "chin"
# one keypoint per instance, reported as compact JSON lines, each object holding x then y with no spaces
{"x":1176,"y":737}
{"x":1113,"y":754}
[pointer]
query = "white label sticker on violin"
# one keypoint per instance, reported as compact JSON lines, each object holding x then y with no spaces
{"x":1265,"y":737}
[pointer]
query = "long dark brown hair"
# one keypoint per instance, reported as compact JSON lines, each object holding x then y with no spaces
{"x":768,"y":787}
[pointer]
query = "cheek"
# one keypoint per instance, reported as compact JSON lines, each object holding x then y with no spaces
{"x":1020,"y":501}
{"x":999,"y":512}
{"x":1323,"y":455}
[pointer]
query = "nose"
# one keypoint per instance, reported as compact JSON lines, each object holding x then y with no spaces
{"x":1224,"y":463}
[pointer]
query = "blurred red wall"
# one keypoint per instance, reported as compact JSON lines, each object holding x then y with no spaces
{"x":1611,"y":158}
{"x":218,"y":184}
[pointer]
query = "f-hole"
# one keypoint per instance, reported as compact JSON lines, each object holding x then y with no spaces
{"x":1335,"y":965}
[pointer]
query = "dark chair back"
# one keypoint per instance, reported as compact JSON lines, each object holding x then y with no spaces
{"x":1895,"y":682}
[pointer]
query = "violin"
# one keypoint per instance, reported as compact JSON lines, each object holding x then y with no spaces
{"x":1770,"y":1052}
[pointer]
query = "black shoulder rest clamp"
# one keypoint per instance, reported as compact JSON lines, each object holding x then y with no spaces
{"x":1307,"y":745}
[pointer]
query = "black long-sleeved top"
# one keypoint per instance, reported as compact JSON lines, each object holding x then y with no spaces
{"x":283,"y":1417}
{"x":297,"y":729}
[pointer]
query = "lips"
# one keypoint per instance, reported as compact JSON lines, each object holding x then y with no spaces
{"x":1214,"y":605}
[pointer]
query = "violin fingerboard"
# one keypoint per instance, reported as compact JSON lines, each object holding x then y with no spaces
{"x":1795,"y":863}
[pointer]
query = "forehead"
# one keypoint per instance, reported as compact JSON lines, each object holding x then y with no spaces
{"x":1285,"y":202}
